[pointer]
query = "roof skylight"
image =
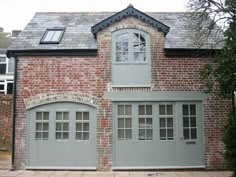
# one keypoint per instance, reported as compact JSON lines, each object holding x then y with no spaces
{"x":52,"y":36}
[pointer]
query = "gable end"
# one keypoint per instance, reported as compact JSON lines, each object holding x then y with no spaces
{"x":130,"y":11}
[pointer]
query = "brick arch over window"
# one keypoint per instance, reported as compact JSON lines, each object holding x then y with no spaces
{"x":46,"y":98}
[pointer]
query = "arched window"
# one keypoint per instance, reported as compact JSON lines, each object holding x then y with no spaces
{"x":130,"y":46}
{"x":131,"y":58}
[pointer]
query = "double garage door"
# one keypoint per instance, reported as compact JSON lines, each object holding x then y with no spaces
{"x":145,"y":136}
{"x":62,"y":136}
{"x":157,"y":135}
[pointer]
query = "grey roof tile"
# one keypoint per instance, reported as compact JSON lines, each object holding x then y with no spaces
{"x":78,"y":33}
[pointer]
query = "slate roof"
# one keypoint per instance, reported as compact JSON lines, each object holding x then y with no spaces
{"x":78,"y":33}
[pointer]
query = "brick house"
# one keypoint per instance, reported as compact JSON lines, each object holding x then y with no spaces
{"x":111,"y":91}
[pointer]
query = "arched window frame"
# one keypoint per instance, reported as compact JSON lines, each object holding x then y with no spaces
{"x":130,"y":44}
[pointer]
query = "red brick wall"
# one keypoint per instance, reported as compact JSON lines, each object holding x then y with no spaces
{"x":92,"y":75}
{"x":5,"y":121}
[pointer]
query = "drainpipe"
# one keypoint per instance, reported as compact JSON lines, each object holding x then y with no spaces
{"x":14,"y":117}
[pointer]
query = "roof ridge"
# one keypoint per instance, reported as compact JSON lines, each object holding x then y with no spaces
{"x":99,"y":12}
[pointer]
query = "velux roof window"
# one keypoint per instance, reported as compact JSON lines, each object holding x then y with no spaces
{"x":53,"y":36}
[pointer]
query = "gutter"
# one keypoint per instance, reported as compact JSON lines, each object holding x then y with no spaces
{"x":52,"y":52}
{"x":14,"y":117}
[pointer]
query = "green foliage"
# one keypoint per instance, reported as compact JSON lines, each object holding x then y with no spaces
{"x":230,"y":141}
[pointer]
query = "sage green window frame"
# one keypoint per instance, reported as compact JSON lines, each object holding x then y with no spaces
{"x":124,"y":119}
{"x":42,"y":125}
{"x":62,"y":131}
{"x":130,"y":45}
{"x":82,"y":130}
{"x":131,"y":72}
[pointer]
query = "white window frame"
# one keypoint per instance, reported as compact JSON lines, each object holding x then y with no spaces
{"x":7,"y":64}
{"x":5,"y":84}
{"x":130,"y":46}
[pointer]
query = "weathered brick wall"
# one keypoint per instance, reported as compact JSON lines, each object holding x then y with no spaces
{"x":93,"y":76}
{"x":5,"y":121}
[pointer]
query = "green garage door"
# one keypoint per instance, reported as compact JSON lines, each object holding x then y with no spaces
{"x":157,"y":135}
{"x":62,"y":136}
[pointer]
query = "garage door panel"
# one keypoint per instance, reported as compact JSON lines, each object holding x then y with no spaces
{"x":61,"y":148}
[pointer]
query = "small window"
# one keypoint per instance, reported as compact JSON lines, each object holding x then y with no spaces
{"x":145,"y":122}
{"x":3,"y":65}
{"x":189,"y":122}
{"x":82,"y":125}
{"x":42,"y":126}
{"x":9,"y":87}
{"x":52,"y":36}
{"x":124,"y":122}
{"x":166,"y":122}
{"x":62,"y":125}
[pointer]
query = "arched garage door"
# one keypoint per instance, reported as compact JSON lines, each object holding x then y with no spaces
{"x":62,"y":136}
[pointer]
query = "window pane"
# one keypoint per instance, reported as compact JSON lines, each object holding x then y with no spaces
{"x":149,"y":134}
{"x":169,"y":109}
{"x":161,"y":109}
{"x":192,"y":109}
{"x":46,"y":116}
{"x":78,"y":136}
{"x":45,"y":135}
{"x":185,"y":121}
{"x":9,"y":88}
{"x":128,"y":110}
{"x":58,"y":126}
{"x":194,"y":133}
{"x":122,"y":37}
{"x":121,"y":134}
{"x":65,"y":126}
{"x":86,"y":116}
{"x":48,"y":36}
{"x":149,"y":123}
{"x":39,"y":126}
{"x":78,"y":126}
{"x":3,"y":68}
{"x":86,"y":136}
{"x":58,"y":135}
{"x":141,"y":134}
{"x":38,"y":115}
{"x":169,"y":122}
{"x":186,"y":133}
{"x":193,"y":122}
{"x":65,"y":115}
{"x":45,"y":126}
{"x":65,"y":135}
{"x":162,"y":122}
{"x":163,"y":134}
{"x":185,"y":110}
{"x":86,"y":127}
{"x":128,"y":134}
{"x":121,"y":110}
{"x":78,"y":115}
{"x":170,"y":133}
{"x":118,"y":46}
{"x":141,"y":122}
{"x":141,"y":110}
{"x":128,"y":123}
{"x":56,"y":36}
{"x":121,"y":123}
{"x":148,"y":109}
{"x":38,"y":135}
{"x":59,"y":116}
